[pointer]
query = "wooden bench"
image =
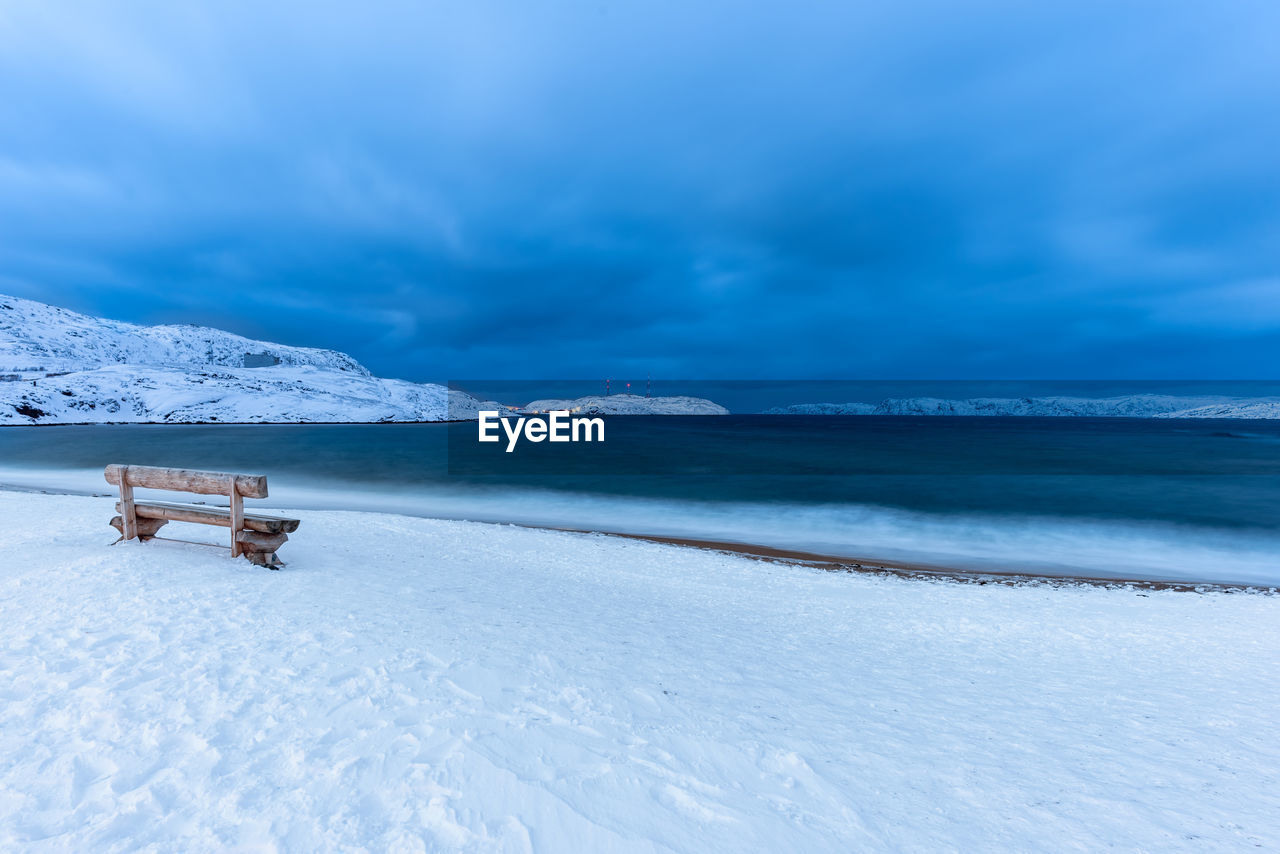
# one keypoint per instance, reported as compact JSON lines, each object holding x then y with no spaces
{"x":253,"y":535}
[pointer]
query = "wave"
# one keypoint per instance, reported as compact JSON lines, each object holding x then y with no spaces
{"x":1040,"y":545}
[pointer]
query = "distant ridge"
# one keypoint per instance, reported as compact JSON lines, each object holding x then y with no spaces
{"x":629,"y":404}
{"x":1126,"y":406}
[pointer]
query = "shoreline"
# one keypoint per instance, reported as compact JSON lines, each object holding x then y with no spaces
{"x":860,"y":564}
{"x":904,"y":569}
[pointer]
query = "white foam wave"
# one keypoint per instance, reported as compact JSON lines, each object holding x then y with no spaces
{"x":1048,"y":545}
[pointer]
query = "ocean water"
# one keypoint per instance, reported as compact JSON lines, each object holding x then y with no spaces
{"x":1164,"y":499}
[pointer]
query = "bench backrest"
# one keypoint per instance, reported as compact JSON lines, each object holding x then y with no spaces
{"x":186,"y":480}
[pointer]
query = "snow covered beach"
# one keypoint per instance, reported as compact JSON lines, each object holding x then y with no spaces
{"x":413,"y":684}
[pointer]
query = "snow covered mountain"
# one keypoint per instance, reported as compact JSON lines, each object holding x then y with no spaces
{"x":38,"y":338}
{"x":630,"y":404}
{"x":60,"y":367}
{"x":1128,"y":406}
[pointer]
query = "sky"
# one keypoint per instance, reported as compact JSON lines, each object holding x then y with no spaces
{"x":803,"y":189}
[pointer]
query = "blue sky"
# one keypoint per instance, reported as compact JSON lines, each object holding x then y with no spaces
{"x":711,"y":189}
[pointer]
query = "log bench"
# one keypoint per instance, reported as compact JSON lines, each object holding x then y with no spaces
{"x":254,"y":535}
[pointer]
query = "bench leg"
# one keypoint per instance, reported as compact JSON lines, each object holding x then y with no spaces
{"x":144,"y":529}
{"x":237,"y":519}
{"x":128,"y":518}
{"x":268,"y":559}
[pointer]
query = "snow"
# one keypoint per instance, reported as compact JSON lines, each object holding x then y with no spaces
{"x":1125,"y":406}
{"x":67,"y":368}
{"x":629,"y":404}
{"x":415,"y":684}
{"x":60,"y":367}
{"x":145,"y":394}
{"x":826,"y":409}
{"x":35,"y":337}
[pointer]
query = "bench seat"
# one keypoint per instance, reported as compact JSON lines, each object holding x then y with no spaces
{"x":211,"y":515}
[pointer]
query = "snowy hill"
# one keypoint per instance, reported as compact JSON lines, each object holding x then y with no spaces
{"x":1128,"y":406}
{"x":629,"y":404}
{"x":147,"y":394}
{"x":39,"y":338}
{"x":60,"y":367}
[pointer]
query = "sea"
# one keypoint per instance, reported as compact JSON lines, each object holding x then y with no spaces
{"x":1159,"y":499}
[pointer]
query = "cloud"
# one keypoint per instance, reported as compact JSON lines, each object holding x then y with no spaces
{"x":712,"y":189}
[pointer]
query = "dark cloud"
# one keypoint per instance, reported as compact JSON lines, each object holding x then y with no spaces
{"x":714,"y":189}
